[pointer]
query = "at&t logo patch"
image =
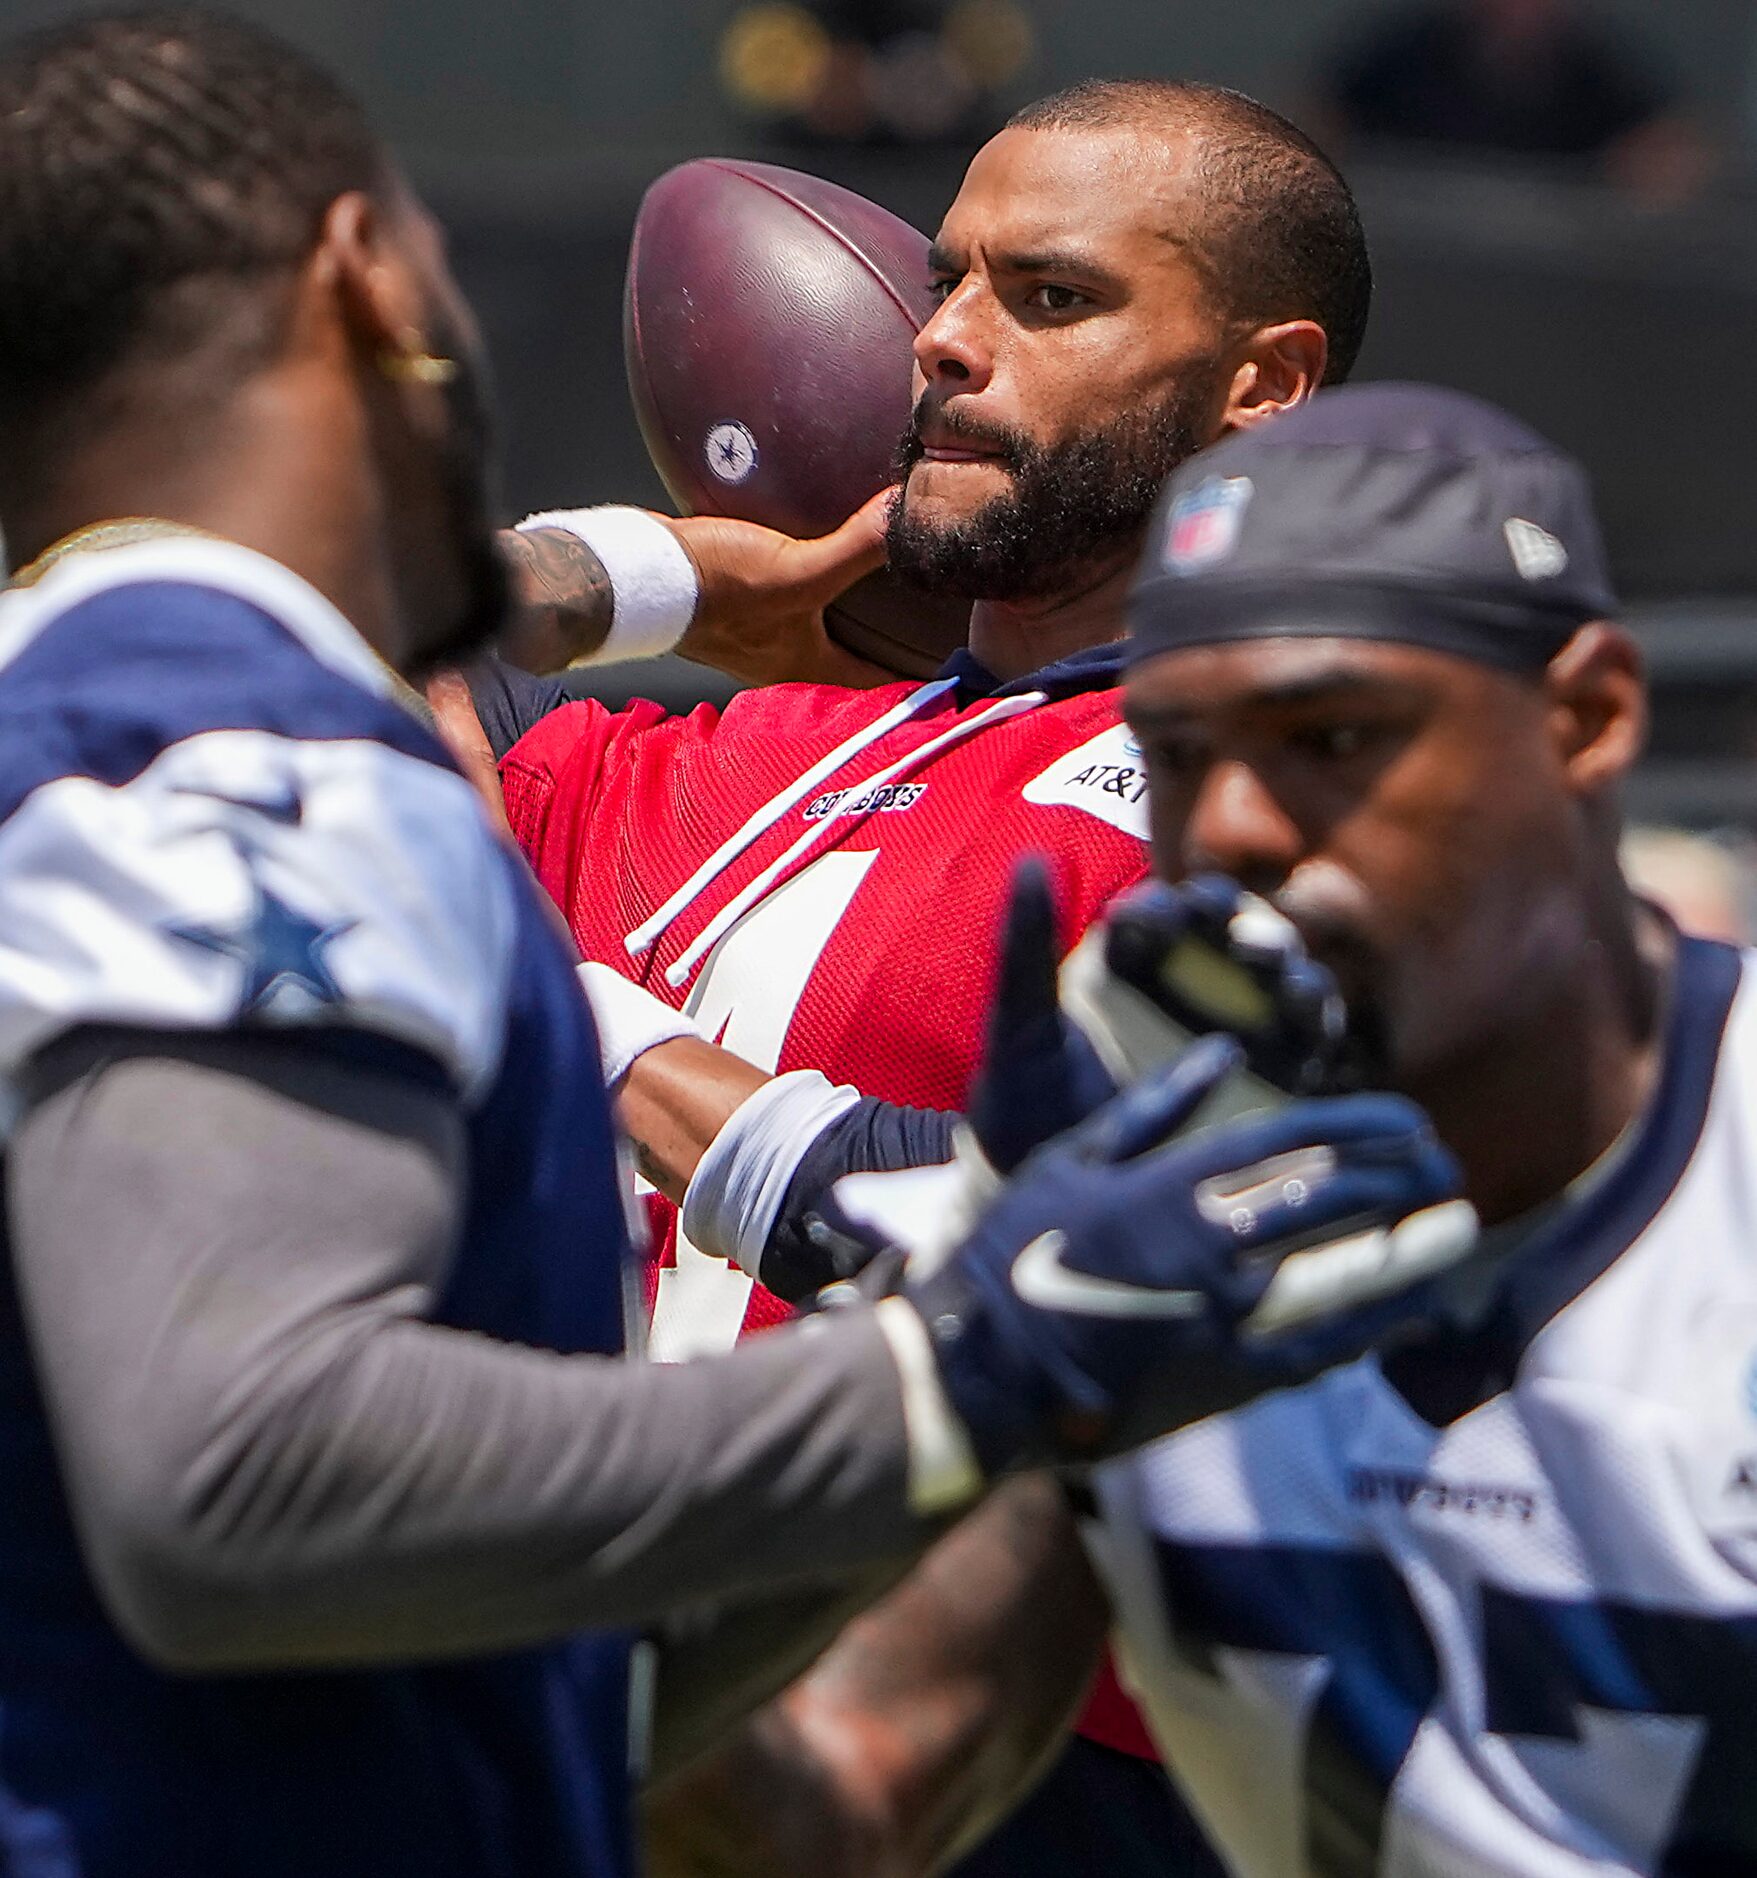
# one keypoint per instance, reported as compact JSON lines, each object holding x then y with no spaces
{"x":1106,"y":777}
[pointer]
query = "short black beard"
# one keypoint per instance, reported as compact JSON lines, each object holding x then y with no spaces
{"x":1076,"y":507}
{"x":467,"y":479}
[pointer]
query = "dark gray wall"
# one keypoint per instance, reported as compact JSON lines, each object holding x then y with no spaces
{"x":531,"y":77}
{"x":535,"y":124}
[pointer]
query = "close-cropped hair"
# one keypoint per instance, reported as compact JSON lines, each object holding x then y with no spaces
{"x":158,"y":170}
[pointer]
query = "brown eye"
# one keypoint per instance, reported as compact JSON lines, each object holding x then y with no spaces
{"x":1055,"y":299}
{"x":1178,"y":757}
{"x":1334,"y":743}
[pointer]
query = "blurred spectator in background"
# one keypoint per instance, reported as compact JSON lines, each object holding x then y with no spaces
{"x":1705,"y":885}
{"x":1535,"y":78}
{"x":883,"y":72}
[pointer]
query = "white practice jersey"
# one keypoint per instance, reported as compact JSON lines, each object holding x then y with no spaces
{"x":1524,"y":1641}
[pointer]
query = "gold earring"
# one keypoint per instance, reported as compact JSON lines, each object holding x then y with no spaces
{"x":412,"y":364}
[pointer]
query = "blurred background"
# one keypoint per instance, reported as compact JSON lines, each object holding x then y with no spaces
{"x":1559,"y":194}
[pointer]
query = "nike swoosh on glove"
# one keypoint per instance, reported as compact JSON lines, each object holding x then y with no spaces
{"x":1166,"y":964}
{"x":1127,"y":1283}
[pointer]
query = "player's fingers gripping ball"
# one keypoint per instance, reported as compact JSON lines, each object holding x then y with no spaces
{"x":1176,"y":961}
{"x":1128,"y":1282}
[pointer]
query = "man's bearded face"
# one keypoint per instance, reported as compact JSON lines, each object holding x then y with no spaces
{"x":1072,"y":510}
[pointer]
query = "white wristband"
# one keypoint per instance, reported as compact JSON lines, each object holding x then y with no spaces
{"x":653,"y":582}
{"x":630,"y":1021}
{"x":735,"y":1193}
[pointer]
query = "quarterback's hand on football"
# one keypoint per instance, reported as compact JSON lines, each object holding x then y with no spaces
{"x":1040,"y":1075}
{"x":759,"y":613}
{"x":760,"y":617}
{"x":1127,"y":1283}
{"x":1174,"y":961}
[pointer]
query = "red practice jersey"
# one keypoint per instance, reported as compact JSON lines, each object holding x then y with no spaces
{"x":818,"y":876}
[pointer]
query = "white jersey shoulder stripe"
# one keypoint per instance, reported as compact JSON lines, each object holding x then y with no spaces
{"x":244,"y":877}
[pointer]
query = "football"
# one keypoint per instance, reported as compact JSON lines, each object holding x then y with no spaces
{"x":768,"y":318}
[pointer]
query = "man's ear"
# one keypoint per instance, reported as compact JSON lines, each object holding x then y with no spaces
{"x":371,"y":284}
{"x":1277,"y":367}
{"x":1597,"y":698}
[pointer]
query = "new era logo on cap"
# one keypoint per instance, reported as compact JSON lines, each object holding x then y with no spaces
{"x":1205,"y":523}
{"x":1537,"y":554}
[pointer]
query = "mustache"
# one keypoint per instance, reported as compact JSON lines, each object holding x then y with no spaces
{"x":1013,"y":446}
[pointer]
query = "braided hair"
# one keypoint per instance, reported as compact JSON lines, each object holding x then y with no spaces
{"x":162,"y":173}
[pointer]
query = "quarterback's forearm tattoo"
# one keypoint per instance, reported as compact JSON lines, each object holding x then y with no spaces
{"x":563,"y":598}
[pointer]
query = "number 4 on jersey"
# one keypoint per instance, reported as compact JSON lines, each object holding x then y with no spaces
{"x":745,"y":998}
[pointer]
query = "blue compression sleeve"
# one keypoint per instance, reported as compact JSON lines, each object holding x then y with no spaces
{"x":509,"y":701}
{"x":872,"y":1137}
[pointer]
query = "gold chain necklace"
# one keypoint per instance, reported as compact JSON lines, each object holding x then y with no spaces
{"x":121,"y":532}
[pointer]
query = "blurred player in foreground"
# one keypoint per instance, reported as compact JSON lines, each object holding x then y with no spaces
{"x":817,"y":875}
{"x":1491,"y":1604}
{"x":316,"y":1467}
{"x":1487,"y":1603}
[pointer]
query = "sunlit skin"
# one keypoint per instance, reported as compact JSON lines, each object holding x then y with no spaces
{"x":1444,"y":835}
{"x":317,"y":454}
{"x":427,"y":430}
{"x":1072,"y":286}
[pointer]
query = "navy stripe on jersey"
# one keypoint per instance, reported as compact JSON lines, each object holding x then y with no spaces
{"x":1446,"y":1376}
{"x":75,"y":1052}
{"x":207,"y":825}
{"x":1092,"y":668}
{"x":1589,"y":1238}
{"x":115,"y":680}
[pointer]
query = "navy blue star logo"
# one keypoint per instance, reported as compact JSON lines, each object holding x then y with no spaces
{"x":731,"y":451}
{"x":280,"y":951}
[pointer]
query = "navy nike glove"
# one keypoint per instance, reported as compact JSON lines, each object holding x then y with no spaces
{"x":1040,"y":1075}
{"x":1165,"y":965}
{"x":1038,"y":1078}
{"x":1127,"y":1283}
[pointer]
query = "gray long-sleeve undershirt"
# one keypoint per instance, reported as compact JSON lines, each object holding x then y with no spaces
{"x":225,"y":1249}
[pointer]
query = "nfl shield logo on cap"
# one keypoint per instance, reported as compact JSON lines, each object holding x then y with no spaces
{"x":1205,"y":522}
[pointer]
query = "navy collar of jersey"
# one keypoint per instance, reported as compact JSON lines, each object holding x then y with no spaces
{"x":1586,"y":1240}
{"x":1582,"y":1241}
{"x":1092,"y":668}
